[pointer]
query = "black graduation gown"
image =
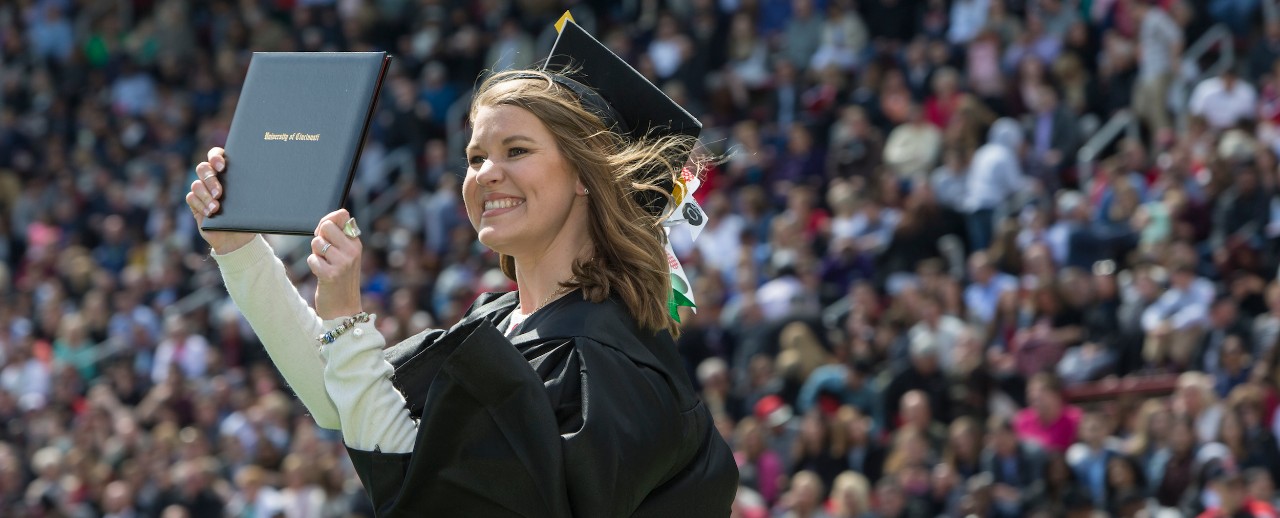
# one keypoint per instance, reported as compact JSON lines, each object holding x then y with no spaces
{"x":605,"y":423}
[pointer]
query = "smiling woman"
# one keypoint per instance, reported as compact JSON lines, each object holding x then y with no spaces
{"x":525,"y":178}
{"x":536,"y":127}
{"x":565,"y":397}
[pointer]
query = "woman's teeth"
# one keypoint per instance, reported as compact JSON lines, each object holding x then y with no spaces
{"x":502,"y":204}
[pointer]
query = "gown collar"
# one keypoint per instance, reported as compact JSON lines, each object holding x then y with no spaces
{"x":573,"y":316}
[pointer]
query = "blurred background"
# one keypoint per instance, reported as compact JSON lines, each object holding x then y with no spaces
{"x":988,"y":258}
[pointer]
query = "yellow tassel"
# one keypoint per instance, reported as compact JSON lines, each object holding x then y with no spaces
{"x":563,"y":18}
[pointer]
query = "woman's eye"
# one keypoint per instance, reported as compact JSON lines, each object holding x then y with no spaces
{"x":517,"y":151}
{"x":476,"y":160}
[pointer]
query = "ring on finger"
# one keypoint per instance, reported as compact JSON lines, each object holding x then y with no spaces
{"x":324,"y":248}
{"x":351,"y":229}
{"x":210,"y":175}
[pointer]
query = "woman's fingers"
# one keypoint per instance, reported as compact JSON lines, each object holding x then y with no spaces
{"x":338,"y":217}
{"x":317,"y":244}
{"x":336,"y":252}
{"x":204,"y":200}
{"x":329,"y":250}
{"x":330,"y":265}
{"x":217,"y":158}
{"x":333,"y":233}
{"x":196,"y":205}
{"x":335,"y":261}
{"x":208,"y":174}
{"x":209,"y":178}
{"x":204,"y":203}
{"x":318,"y":266}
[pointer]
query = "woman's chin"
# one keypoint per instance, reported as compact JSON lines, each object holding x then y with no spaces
{"x":494,"y":240}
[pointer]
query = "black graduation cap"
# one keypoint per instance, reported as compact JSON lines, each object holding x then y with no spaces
{"x":624,"y":98}
{"x":642,"y":106}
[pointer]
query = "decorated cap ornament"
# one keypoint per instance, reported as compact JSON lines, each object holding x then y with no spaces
{"x":636,"y":109}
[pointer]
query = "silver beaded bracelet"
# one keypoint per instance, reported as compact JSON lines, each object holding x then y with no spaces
{"x":350,"y":322}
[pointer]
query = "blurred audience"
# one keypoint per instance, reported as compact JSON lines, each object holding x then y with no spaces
{"x":915,"y":298}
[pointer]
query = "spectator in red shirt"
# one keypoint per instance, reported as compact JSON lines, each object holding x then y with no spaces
{"x":945,"y":100}
{"x":1047,"y":421}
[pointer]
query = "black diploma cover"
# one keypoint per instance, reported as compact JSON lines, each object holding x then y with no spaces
{"x":295,"y":139}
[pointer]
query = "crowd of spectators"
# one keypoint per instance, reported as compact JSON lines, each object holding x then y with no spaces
{"x":905,"y":270}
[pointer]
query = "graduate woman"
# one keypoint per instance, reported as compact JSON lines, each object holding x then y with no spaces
{"x":565,"y":397}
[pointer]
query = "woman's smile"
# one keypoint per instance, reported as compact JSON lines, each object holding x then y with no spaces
{"x":499,"y":206}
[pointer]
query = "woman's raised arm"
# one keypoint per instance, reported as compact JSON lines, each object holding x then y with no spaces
{"x":256,"y":280}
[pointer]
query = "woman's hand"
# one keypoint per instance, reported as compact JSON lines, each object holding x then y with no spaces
{"x":335,"y":260}
{"x":204,"y":198}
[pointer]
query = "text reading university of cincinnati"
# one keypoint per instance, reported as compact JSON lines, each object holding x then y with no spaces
{"x":267,"y":135}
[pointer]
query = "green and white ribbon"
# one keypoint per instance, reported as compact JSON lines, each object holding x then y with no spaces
{"x":690,"y":215}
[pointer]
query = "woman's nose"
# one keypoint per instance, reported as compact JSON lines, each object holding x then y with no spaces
{"x":489,"y":173}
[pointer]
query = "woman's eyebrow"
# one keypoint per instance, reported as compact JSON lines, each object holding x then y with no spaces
{"x":506,"y":141}
{"x":517,"y":138}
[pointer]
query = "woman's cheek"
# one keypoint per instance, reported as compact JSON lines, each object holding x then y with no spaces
{"x":472,"y":205}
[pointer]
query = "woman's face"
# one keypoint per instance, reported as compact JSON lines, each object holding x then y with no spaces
{"x":521,"y":195}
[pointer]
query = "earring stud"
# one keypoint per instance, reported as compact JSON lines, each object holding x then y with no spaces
{"x":586,"y":191}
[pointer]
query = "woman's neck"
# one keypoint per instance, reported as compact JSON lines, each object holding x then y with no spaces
{"x":539,"y":277}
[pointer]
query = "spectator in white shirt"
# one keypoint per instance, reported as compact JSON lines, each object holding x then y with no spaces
{"x":1194,"y":399}
{"x":968,"y":17}
{"x":189,"y":352}
{"x":783,"y":295}
{"x":25,"y":376}
{"x":1175,"y":322}
{"x":669,"y":48}
{"x":986,"y":287}
{"x":1224,"y":101}
{"x":1072,"y":213}
{"x":912,"y":147}
{"x":861,"y":218}
{"x":948,"y":180}
{"x":939,"y":328}
{"x":872,"y":228}
{"x":842,"y":40}
{"x":995,"y":176}
{"x":720,"y":243}
{"x":1160,"y":42}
